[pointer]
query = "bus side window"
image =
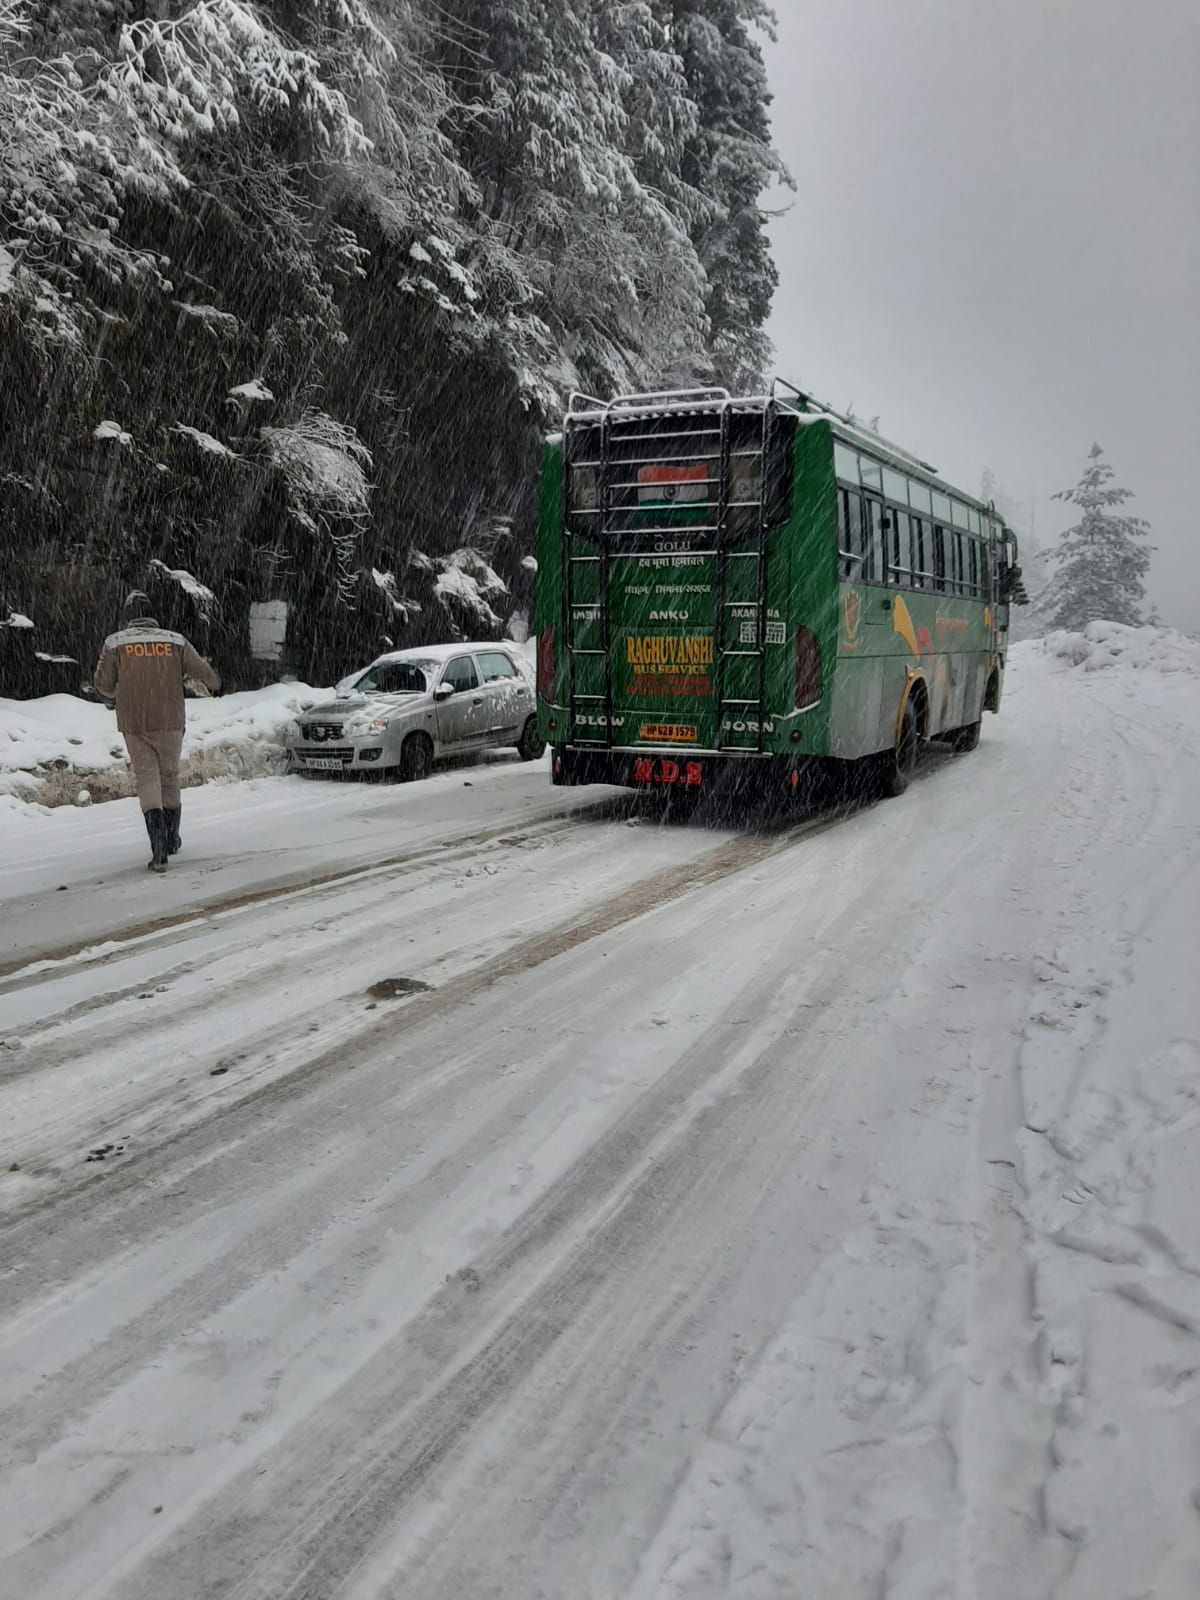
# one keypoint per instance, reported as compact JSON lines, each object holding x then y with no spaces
{"x":890,"y":533}
{"x":939,"y":560}
{"x":850,"y":536}
{"x":918,"y":553}
{"x":900,"y":563}
{"x":974,"y":544}
{"x":985,"y":571}
{"x":954,"y":564}
{"x":875,"y":562}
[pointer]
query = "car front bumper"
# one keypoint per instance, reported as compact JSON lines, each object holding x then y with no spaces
{"x":367,"y":752}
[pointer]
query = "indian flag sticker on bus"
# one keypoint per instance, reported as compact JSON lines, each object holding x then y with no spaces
{"x":676,"y":485}
{"x":667,"y":732}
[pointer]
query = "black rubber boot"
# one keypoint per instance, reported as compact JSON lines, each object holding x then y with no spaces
{"x":156,"y":827}
{"x":172,"y":814}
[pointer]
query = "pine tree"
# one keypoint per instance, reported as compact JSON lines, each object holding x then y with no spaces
{"x":1101,"y":563}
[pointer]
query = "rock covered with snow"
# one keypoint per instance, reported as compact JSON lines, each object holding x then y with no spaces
{"x":467,"y":585}
{"x":188,"y":582}
{"x":108,"y":429}
{"x":203,"y":441}
{"x":254,"y":390}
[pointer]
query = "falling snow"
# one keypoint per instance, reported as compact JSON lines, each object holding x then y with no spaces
{"x":486,"y":1185}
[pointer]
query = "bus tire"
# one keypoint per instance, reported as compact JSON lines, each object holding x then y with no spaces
{"x":896,"y":766}
{"x":964,"y":740}
{"x":416,"y":758}
{"x":530,"y":747}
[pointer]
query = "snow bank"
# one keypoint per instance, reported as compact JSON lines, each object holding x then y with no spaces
{"x":54,"y":748}
{"x":1110,"y":644}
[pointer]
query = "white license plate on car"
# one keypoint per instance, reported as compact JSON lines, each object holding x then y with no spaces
{"x":323,"y":763}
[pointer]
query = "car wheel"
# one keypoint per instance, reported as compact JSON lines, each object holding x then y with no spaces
{"x":416,"y":758}
{"x":530,"y":746}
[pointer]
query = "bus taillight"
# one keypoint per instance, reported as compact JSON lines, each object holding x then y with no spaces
{"x":808,"y":669}
{"x":545,"y":664}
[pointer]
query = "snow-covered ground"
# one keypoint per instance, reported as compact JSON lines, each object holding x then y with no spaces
{"x":805,"y":1209}
{"x":61,"y":749}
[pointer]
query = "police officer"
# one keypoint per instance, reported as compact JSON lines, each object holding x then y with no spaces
{"x":141,"y":669}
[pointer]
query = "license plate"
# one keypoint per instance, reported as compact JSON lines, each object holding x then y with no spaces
{"x":664,"y":770}
{"x":667,"y":732}
{"x":323,"y":763}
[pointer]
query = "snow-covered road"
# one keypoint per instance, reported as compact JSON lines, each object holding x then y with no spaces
{"x":799,"y":1210}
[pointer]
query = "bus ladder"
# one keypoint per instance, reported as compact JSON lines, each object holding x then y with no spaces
{"x":586,"y":703}
{"x":750,"y":712}
{"x":578,"y":702}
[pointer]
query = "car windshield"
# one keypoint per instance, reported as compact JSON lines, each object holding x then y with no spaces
{"x":398,"y":677}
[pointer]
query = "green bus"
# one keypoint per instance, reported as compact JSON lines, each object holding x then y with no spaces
{"x":756,"y":585}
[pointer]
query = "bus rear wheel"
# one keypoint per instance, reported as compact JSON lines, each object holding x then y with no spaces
{"x":964,"y":740}
{"x":896,"y":766}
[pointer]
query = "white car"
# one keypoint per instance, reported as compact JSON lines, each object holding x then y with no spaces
{"x":414,"y":707}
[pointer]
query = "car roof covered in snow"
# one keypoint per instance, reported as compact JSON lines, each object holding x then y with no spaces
{"x":439,"y":653}
{"x":444,"y":652}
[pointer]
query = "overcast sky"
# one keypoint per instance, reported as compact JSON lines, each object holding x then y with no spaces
{"x":995,"y":242}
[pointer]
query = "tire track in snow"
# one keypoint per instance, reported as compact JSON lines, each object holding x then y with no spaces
{"x":628,"y":904}
{"x":346,"y":908}
{"x":141,"y":1342}
{"x":681,"y":1170}
{"x":300,"y":976}
{"x":20,"y":973}
{"x":1031,"y":1420}
{"x":138,"y":1223}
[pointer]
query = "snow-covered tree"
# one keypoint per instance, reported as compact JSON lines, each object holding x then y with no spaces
{"x":584,"y":250}
{"x":1101,"y":561}
{"x":289,"y":288}
{"x":730,"y":161}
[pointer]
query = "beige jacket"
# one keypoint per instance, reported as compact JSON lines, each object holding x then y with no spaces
{"x":142,"y":668}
